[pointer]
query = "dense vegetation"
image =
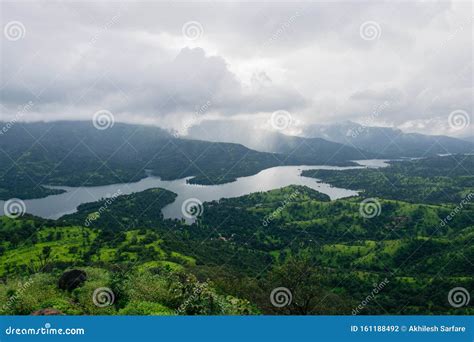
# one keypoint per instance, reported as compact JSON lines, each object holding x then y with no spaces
{"x":437,"y":180}
{"x":123,"y":212}
{"x":228,"y":262}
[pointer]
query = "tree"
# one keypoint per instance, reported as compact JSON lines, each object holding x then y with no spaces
{"x":304,"y":282}
{"x":45,"y":256}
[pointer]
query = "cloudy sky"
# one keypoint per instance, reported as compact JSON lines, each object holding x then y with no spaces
{"x":393,"y":63}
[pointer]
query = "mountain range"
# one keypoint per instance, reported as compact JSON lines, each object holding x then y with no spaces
{"x":366,"y":142}
{"x":389,"y":142}
{"x":75,"y":153}
{"x":72,"y":153}
{"x":306,"y":150}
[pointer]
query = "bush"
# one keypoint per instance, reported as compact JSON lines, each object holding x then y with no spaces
{"x":146,"y":309}
{"x":83,"y":296}
{"x":25,"y":295}
{"x":136,"y":293}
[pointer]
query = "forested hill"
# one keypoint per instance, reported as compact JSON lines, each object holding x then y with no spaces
{"x":305,"y":150}
{"x":328,"y":254}
{"x":442,"y":179}
{"x":76,"y":153}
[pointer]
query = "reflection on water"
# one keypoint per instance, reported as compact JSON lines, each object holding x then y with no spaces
{"x":55,"y":206}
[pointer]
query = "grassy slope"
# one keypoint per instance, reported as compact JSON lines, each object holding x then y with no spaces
{"x":406,"y":242}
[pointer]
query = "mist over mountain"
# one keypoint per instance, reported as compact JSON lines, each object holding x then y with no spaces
{"x":346,"y":138}
{"x":305,"y":150}
{"x":387,"y":141}
{"x":79,"y":154}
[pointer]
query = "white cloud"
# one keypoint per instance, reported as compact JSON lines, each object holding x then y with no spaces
{"x":251,"y":59}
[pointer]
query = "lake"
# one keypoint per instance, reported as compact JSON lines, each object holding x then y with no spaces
{"x":55,"y":206}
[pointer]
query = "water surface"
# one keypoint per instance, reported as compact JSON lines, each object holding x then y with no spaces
{"x":55,"y":206}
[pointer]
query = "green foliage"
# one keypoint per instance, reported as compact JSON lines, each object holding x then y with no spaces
{"x":436,"y":180}
{"x":325,"y":252}
{"x":124,"y":212}
{"x":163,"y":292}
{"x":21,"y":296}
{"x":145,"y":309}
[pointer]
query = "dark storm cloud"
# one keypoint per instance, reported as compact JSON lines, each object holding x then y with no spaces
{"x":320,"y":61}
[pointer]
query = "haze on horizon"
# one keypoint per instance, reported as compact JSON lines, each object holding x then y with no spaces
{"x":399,"y":64}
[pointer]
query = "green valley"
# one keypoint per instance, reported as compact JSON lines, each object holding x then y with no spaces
{"x":329,"y":254}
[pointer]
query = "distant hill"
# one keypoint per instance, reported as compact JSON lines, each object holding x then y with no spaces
{"x":389,"y":142}
{"x":470,"y":139}
{"x":303,"y":150}
{"x":77,"y":154}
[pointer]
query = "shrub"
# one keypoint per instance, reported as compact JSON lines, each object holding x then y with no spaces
{"x":146,"y":308}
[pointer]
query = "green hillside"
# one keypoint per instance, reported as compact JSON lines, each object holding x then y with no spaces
{"x":327,"y":253}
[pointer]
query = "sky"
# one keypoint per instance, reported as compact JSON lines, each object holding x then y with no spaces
{"x":403,"y":64}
